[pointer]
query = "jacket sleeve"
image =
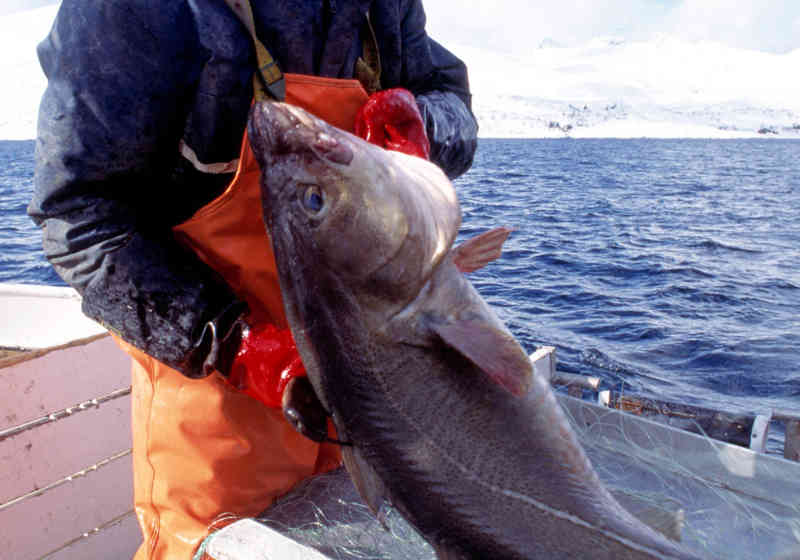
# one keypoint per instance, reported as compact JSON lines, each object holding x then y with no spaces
{"x":440,"y":83}
{"x":120,"y":77}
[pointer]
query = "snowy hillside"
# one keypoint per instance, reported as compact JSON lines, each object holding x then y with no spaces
{"x":665,"y":87}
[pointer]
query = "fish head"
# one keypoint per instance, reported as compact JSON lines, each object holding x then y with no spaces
{"x":337,"y":207}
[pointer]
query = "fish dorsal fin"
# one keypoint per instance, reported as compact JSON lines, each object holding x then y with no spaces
{"x":478,"y":251}
{"x":494,"y":351}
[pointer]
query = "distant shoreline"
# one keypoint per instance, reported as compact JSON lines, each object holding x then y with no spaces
{"x":770,"y":137}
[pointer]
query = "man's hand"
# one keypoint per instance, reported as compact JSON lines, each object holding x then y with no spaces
{"x":265,"y":363}
{"x":391,"y":119}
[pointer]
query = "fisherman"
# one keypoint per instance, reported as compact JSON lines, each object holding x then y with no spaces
{"x":147,"y":195}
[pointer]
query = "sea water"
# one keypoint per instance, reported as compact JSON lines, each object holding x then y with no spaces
{"x":668,"y":268}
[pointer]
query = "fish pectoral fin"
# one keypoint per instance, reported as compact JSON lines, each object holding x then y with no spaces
{"x":478,"y":251}
{"x":445,"y":553}
{"x":367,"y":482}
{"x":494,"y":351}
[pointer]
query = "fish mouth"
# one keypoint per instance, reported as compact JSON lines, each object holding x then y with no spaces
{"x":278,"y":129}
{"x":269,"y":128}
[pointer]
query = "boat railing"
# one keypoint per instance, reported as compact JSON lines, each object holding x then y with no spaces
{"x":744,"y":429}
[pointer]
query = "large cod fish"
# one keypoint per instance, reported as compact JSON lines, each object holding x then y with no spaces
{"x":437,"y":399}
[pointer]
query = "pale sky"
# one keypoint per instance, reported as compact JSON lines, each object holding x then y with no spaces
{"x":11,"y":6}
{"x":516,"y":26}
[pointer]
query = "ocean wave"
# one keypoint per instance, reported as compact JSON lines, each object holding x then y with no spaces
{"x":651,"y":264}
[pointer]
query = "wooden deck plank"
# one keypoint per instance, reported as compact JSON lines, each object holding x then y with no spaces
{"x":37,"y":526}
{"x":61,"y":379}
{"x":116,"y":541}
{"x":42,"y":455}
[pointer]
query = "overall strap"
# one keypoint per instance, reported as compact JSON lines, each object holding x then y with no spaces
{"x":268,"y":82}
{"x":368,"y":65}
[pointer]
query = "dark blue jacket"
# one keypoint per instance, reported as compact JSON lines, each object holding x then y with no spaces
{"x":129,"y":81}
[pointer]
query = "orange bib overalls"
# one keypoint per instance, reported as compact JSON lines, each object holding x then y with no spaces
{"x":201,"y":449}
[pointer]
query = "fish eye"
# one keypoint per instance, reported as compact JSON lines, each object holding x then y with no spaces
{"x":313,"y":200}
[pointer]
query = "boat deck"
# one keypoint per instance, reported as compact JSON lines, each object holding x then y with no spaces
{"x":66,"y":476}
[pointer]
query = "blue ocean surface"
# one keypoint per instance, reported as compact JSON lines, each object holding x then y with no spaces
{"x":21,"y":259}
{"x":669,"y":268}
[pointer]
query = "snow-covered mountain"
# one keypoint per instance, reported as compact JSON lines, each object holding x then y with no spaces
{"x":664,"y":87}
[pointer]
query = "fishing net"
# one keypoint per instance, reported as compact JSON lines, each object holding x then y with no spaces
{"x":731,"y":501}
{"x":724,"y":501}
{"x":326,"y":513}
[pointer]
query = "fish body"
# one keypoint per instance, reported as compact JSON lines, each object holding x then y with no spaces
{"x":445,"y":416}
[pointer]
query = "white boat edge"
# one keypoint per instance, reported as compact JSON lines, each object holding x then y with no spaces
{"x":42,"y":317}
